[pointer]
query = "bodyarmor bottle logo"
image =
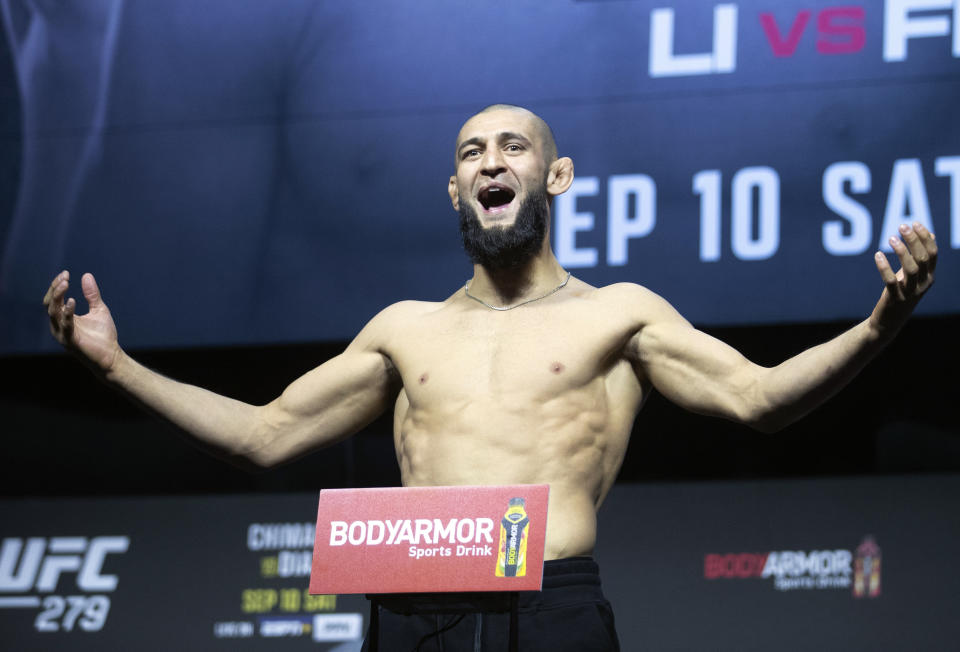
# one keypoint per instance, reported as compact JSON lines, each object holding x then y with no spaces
{"x":512,"y":558}
{"x":866,"y":569}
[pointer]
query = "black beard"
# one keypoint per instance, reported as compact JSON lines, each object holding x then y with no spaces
{"x":506,"y":247}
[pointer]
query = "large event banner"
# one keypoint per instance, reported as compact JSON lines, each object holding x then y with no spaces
{"x":277,"y":171}
{"x":814,"y":564}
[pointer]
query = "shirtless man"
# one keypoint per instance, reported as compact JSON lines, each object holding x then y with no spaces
{"x":526,"y":375}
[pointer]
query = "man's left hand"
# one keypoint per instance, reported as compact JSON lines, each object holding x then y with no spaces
{"x":917,"y":250}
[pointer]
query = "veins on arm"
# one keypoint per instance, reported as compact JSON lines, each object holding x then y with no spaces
{"x":331,"y":402}
{"x":704,"y":375}
{"x":693,"y":369}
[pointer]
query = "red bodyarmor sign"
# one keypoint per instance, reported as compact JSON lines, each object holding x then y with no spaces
{"x":430,"y":539}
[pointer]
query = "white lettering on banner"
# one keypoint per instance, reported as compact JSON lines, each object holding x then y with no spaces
{"x":276,"y":536}
{"x":417,"y":552}
{"x":856,"y":215}
{"x":841,"y":31}
{"x":746,"y":246}
{"x":906,"y":190}
{"x":621,"y":225}
{"x":766,"y":182}
{"x":444,"y":533}
{"x":23,"y":579}
{"x":706,"y":183}
{"x":287,"y":627}
{"x":815,"y":563}
{"x":233,"y":629}
{"x":41,"y":567}
{"x":949,"y":166}
{"x":900,"y":24}
{"x":405,"y":534}
{"x":474,"y":551}
{"x":568,"y":222}
{"x":357,"y":533}
{"x":337,"y":627}
{"x":755,"y":211}
{"x":721,"y":59}
{"x":461,"y":550}
{"x":416,"y":532}
{"x":43,"y":573}
{"x":293,"y":564}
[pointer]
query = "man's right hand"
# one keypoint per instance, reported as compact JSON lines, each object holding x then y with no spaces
{"x":93,"y":335}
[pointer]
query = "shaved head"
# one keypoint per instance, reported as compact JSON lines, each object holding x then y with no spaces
{"x":543,"y":131}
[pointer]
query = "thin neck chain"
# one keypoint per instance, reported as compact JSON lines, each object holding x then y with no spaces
{"x":466,"y":290}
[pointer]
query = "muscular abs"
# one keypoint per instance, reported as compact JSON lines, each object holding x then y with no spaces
{"x":537,"y":395}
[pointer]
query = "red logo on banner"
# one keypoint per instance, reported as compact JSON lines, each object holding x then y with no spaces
{"x":430,"y":539}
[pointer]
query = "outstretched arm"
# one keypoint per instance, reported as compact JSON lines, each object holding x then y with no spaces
{"x":322,"y":407}
{"x":702,"y":374}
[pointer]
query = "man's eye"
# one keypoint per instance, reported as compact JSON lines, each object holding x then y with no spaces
{"x":471,"y":153}
{"x":513,"y":147}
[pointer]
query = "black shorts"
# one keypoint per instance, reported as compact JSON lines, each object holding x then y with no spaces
{"x":569,"y":614}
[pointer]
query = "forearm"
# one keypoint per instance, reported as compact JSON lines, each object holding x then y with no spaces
{"x":800,"y":384}
{"x":228,"y":427}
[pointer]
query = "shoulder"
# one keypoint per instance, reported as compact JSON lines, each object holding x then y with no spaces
{"x":391,"y":320}
{"x":636,"y":301}
{"x":397,"y":314}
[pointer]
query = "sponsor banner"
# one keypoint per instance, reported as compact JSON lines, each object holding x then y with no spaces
{"x":224,"y":573}
{"x":789,"y":565}
{"x":858,"y":569}
{"x":227,"y":573}
{"x":430,"y":539}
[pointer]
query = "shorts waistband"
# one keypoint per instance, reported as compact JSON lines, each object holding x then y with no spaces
{"x":559,"y":574}
{"x":570,"y":571}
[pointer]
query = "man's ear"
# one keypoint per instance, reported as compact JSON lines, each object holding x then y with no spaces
{"x":559,"y":176}
{"x":454,"y":193}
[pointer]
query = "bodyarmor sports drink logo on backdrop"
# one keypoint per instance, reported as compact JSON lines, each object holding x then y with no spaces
{"x":796,"y":569}
{"x":839,"y":30}
{"x":38,"y":564}
{"x":866,"y":569}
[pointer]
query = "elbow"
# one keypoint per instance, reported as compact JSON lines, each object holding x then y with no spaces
{"x":759,"y":412}
{"x":257,"y":452}
{"x":767,"y":423}
{"x":258,"y":461}
{"x":768,"y":418}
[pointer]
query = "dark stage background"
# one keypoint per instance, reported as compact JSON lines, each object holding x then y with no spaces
{"x":251,"y":183}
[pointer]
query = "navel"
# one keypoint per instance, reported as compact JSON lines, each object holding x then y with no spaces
{"x":424,"y":377}
{"x":557,"y":367}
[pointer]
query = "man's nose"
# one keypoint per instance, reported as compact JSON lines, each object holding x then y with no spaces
{"x":492,"y":163}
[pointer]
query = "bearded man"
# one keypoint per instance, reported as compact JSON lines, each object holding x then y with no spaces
{"x":524,"y":376}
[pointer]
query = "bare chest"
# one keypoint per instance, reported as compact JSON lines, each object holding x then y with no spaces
{"x":524,"y":355}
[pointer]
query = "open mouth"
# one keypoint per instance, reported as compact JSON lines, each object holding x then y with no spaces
{"x":494,"y":197}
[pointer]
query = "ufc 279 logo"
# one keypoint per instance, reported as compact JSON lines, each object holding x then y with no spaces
{"x":37,"y":565}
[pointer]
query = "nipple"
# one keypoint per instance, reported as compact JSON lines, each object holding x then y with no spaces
{"x":557,"y":367}
{"x":424,"y":378}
